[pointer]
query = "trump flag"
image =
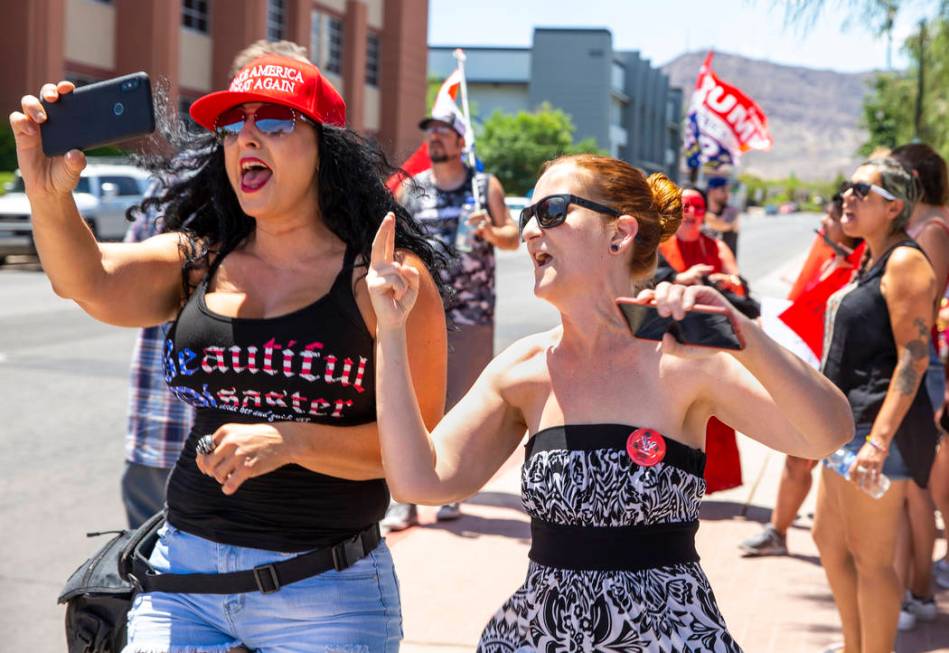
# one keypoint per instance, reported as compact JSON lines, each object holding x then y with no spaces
{"x":722,"y":122}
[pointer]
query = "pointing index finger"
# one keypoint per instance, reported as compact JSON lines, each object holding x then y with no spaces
{"x":383,"y":245}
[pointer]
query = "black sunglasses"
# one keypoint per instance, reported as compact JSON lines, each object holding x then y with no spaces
{"x":552,"y":210}
{"x":861,"y":189}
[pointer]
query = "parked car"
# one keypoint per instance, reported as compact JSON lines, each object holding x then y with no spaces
{"x":787,"y":208}
{"x":103,"y":194}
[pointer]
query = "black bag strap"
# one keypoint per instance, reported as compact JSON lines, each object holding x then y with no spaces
{"x":265,"y":578}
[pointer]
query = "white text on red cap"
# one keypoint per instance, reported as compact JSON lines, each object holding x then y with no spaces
{"x":270,"y":77}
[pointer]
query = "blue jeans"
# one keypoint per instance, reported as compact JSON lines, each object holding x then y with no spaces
{"x":356,"y":610}
{"x":894,"y":467}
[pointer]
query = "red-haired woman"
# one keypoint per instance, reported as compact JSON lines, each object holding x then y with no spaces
{"x":612,"y":477}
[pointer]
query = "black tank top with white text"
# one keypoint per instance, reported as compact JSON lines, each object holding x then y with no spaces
{"x":312,"y":365}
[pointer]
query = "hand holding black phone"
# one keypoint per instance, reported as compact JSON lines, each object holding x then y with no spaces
{"x":702,"y":326}
{"x":104,"y":113}
{"x":840,"y":250}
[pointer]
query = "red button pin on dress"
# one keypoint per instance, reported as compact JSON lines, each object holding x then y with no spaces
{"x":646,"y":447}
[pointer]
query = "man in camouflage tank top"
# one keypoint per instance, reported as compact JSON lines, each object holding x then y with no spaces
{"x":441,"y":198}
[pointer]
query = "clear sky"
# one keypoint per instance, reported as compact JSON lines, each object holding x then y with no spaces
{"x":663,"y":29}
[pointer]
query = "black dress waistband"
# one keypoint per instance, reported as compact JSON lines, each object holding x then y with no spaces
{"x":609,"y":548}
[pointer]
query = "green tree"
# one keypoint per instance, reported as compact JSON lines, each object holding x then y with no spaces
{"x":515,"y":146}
{"x":757,"y":188}
{"x":889,"y":108}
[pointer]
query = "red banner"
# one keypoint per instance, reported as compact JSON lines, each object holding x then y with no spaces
{"x":806,"y":315}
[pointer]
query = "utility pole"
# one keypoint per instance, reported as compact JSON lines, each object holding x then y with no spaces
{"x":888,"y":20}
{"x":920,"y":82}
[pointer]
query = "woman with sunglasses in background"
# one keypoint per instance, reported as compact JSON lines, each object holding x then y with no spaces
{"x":276,"y":498}
{"x":928,"y":227}
{"x":833,"y":254}
{"x":876,"y":350}
{"x":613,"y":473}
{"x":700,"y":259}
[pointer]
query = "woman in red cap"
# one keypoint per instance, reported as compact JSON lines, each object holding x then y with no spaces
{"x":275,"y":500}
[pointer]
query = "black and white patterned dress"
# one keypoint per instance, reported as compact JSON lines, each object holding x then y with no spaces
{"x":579,"y":479}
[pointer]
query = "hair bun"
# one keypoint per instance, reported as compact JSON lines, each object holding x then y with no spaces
{"x":667,"y":198}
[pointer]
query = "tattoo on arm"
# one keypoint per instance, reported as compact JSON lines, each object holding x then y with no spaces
{"x":907,"y":378}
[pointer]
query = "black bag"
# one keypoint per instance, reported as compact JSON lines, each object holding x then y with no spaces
{"x":98,"y":595}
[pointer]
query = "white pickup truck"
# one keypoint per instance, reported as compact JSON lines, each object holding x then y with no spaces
{"x":103,"y":194}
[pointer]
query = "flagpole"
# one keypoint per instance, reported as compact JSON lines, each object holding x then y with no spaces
{"x":459,"y":56}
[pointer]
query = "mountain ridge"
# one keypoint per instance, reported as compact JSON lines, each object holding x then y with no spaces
{"x":814,"y":114}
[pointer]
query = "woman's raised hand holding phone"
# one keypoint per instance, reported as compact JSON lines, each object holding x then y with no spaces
{"x":43,"y":175}
{"x":674,"y":300}
{"x":393,"y":285}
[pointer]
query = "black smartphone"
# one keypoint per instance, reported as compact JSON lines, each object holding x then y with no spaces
{"x":839,"y":249}
{"x":103,"y":113}
{"x":703,"y":326}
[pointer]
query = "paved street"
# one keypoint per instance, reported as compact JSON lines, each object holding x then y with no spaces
{"x":64,"y":381}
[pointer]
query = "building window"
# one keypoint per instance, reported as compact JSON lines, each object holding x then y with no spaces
{"x":194,"y":15}
{"x":316,"y":40}
{"x":372,"y":60}
{"x":276,"y":19}
{"x":616,"y":112}
{"x":618,"y":77}
{"x":334,"y":57}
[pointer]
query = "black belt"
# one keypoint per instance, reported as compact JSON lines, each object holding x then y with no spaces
{"x":265,"y":578}
{"x":608,"y":548}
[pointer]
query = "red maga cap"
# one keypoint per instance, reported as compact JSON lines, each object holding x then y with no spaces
{"x":276,"y":80}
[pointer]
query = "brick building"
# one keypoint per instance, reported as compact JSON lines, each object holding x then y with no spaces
{"x":373,"y":51}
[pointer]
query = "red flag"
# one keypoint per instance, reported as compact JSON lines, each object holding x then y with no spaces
{"x":819,"y":254}
{"x":445,"y":103}
{"x":806,"y":315}
{"x":419,"y":161}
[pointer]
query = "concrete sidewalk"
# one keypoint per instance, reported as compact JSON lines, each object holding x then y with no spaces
{"x":454,"y":576}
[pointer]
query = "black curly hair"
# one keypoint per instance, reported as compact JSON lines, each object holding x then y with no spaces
{"x":195,"y":197}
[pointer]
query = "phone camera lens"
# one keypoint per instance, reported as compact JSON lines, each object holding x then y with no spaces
{"x":118,"y":108}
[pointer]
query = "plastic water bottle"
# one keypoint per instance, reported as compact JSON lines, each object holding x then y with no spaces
{"x":464,"y":234}
{"x":840,"y":462}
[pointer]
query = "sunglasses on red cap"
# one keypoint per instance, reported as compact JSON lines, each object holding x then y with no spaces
{"x":269,"y":119}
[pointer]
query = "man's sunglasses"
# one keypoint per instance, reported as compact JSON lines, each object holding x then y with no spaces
{"x":861,"y":189}
{"x":270,"y":119}
{"x":552,"y":210}
{"x":443,"y":130}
